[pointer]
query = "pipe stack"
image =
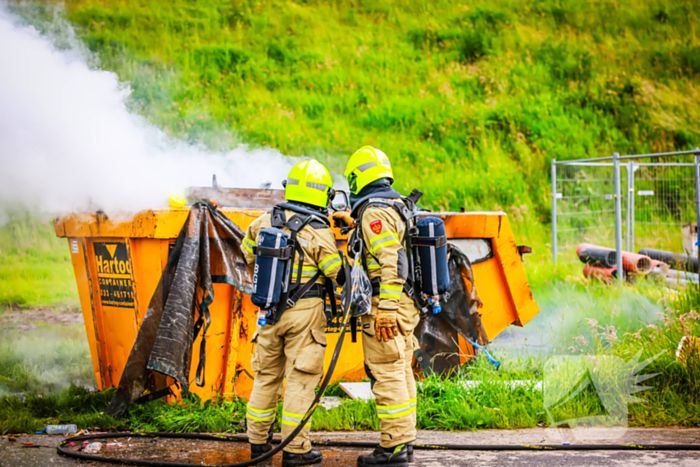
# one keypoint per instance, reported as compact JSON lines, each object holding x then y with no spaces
{"x":601,"y":262}
{"x":676,"y":269}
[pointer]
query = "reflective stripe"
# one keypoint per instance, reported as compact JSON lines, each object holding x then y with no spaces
{"x":329,"y":263}
{"x":385,"y":408}
{"x":260,"y":415}
{"x":386,"y":163}
{"x":366,"y":166}
{"x":390,"y":291}
{"x":373,"y":264}
{"x":292,"y":419}
{"x":317,"y":186}
{"x":414,"y":402}
{"x":291,"y":181}
{"x":248,"y":244}
{"x":306,"y":271}
{"x":396,"y":411}
{"x":385,"y":239}
{"x":383,"y":293}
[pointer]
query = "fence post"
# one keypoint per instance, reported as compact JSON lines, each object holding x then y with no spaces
{"x":554,"y":210}
{"x":630,"y":174}
{"x":697,"y":197}
{"x":632,"y":169}
{"x":618,"y":219}
{"x":632,"y":191}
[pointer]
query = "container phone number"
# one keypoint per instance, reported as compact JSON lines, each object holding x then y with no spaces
{"x":334,"y":324}
{"x":119,"y":289}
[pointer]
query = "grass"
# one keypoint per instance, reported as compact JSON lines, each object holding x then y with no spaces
{"x":35,"y":266}
{"x":673,"y":400}
{"x":44,"y":360}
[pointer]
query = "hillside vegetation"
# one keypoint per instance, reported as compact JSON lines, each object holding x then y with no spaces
{"x":470,"y":100}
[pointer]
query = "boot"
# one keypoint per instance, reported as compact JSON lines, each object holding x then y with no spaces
{"x":409,"y":451}
{"x":290,"y":459}
{"x":396,"y":456}
{"x":257,"y":450}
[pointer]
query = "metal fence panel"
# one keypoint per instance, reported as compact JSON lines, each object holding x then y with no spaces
{"x":658,"y":203}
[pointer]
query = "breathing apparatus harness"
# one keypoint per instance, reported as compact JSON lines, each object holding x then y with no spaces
{"x":274,"y":289}
{"x":426,"y":281}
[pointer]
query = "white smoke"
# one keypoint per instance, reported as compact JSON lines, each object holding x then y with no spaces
{"x":68,"y":142}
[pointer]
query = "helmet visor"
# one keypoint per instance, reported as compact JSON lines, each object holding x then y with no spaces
{"x":352,"y":182}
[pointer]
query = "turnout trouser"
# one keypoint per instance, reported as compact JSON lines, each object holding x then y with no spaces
{"x":388,"y":365}
{"x":293,"y":348}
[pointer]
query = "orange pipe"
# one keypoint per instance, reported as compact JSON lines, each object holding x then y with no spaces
{"x":597,"y":272}
{"x":639,"y":264}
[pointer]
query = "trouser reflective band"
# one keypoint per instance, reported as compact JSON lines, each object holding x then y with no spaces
{"x":396,"y":411}
{"x":260,"y":415}
{"x":293,"y":419}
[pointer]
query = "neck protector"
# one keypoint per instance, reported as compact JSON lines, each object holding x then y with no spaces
{"x":378,"y":189}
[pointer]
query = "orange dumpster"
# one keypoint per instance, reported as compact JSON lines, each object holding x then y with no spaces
{"x":118,"y":264}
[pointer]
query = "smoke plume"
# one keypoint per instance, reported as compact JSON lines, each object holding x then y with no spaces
{"x":69,"y":143}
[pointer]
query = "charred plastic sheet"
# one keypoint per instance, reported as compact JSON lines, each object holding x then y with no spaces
{"x":207,"y":251}
{"x":438,"y":335}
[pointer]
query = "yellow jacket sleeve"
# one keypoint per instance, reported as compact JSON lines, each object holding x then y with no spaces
{"x":326,"y":254}
{"x":250,"y":241}
{"x":383,"y":231}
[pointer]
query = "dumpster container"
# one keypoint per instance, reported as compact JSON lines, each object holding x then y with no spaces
{"x":118,"y":264}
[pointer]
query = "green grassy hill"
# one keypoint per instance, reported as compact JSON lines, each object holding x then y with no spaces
{"x":470,"y":100}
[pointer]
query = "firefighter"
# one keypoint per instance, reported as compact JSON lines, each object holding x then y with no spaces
{"x":294,"y":346}
{"x":387,"y":331}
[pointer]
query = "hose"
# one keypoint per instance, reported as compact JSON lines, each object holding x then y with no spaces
{"x":350,"y":444}
{"x":493,"y":361}
{"x":322,"y":389}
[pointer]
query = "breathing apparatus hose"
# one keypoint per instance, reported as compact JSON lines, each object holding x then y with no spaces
{"x":61,"y":448}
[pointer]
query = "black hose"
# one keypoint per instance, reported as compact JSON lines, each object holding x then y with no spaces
{"x":324,"y":385}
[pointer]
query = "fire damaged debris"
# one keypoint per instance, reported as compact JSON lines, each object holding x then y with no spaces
{"x":439,"y":334}
{"x":207,"y":251}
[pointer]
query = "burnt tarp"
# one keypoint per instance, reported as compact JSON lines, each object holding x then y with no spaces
{"x":207,"y":251}
{"x":438,"y":334}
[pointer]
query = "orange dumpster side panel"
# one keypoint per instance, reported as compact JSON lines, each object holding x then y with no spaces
{"x":79,"y":260}
{"x":119,"y":263}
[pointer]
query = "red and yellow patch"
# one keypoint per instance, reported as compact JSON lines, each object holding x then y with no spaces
{"x":376,"y":226}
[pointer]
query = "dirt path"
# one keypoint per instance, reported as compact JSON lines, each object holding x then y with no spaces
{"x":30,"y":319}
{"x":12,"y":454}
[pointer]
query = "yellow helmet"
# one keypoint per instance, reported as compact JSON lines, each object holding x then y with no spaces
{"x":309,"y":182}
{"x":367,"y":165}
